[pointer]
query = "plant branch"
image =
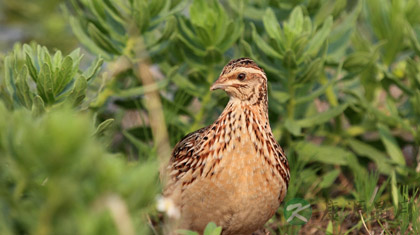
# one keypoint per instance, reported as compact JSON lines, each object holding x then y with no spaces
{"x":154,"y":108}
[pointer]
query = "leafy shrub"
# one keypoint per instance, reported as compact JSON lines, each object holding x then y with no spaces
{"x":54,"y":79}
{"x":344,"y":92}
{"x":57,"y":179}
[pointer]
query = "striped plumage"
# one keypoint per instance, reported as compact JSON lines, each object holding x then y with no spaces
{"x":232,"y":172}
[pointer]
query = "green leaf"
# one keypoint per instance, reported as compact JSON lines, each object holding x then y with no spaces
{"x":93,"y":69}
{"x":394,"y":190}
{"x":186,"y":32}
{"x":78,"y":92}
{"x":106,"y":21}
{"x":357,"y":61}
{"x":76,"y":57}
{"x":322,"y":153}
{"x":199,"y":12}
{"x":57,"y":60}
{"x":45,"y":84}
{"x":221,"y":22}
{"x":319,"y":38}
{"x":268,"y":50}
{"x":312,"y":72}
{"x":330,"y":229}
{"x":268,"y":67}
{"x":114,"y":18}
{"x":6,"y":97}
{"x":169,"y":29}
{"x":83,"y":37}
{"x":296,"y":20}
{"x":203,"y":36}
{"x":234,"y":30}
{"x":329,"y":178}
{"x":46,"y":57}
{"x":314,"y":94}
{"x":22,"y":88}
{"x":271,"y":24}
{"x":141,"y":15}
{"x":289,"y":60}
{"x":186,"y":36}
{"x":322,"y":117}
{"x":143,"y":148}
{"x":340,"y":35}
{"x":292,"y":127}
{"x":155,"y":7}
{"x":280,"y":96}
{"x":414,"y":40}
{"x":31,"y":67}
{"x":38,"y":106}
{"x":39,"y":56}
{"x":141,"y":90}
{"x":391,"y":145}
{"x":366,"y":150}
{"x":64,"y":76}
{"x":8,"y":74}
{"x":390,"y":120}
{"x":103,"y":126}
{"x":392,"y":79}
{"x":212,"y":229}
{"x":102,"y":40}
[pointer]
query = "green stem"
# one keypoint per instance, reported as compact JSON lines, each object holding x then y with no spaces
{"x":291,"y":89}
{"x":141,"y":65}
{"x":292,"y":101}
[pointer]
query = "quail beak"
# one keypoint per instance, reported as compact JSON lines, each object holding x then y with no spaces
{"x":218,"y":84}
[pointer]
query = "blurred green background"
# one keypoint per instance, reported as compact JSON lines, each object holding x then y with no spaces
{"x":40,"y":21}
{"x":95,"y":93}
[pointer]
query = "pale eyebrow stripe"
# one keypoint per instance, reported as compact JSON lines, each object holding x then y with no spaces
{"x":248,"y":70}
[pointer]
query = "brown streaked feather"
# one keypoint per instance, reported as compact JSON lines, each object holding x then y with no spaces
{"x":186,"y":150}
{"x":232,"y":172}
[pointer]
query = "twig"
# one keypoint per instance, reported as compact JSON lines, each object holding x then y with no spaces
{"x":364,"y":224}
{"x":154,"y":107}
{"x":119,"y":213}
{"x":372,"y":198}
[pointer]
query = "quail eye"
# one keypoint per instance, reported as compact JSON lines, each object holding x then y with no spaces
{"x":241,"y":76}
